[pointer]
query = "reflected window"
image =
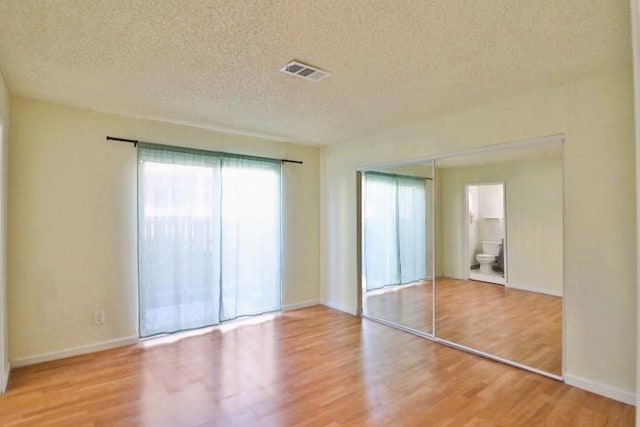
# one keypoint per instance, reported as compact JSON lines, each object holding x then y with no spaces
{"x":395,"y":229}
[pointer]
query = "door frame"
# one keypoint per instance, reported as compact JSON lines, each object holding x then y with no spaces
{"x":467,"y":270}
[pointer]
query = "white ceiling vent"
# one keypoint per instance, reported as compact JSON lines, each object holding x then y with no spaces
{"x":305,"y":71}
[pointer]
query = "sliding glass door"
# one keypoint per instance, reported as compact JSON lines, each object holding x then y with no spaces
{"x":250,"y":237}
{"x":208,"y":237}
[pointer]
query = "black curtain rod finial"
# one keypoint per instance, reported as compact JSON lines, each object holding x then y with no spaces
{"x":132,"y":141}
{"x":112,"y":138}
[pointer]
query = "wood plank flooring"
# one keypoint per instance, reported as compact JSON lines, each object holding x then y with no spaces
{"x":522,"y":326}
{"x":310,"y":367}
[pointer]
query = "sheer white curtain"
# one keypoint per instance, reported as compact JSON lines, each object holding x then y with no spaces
{"x":208,"y":238}
{"x":395,"y":230}
{"x":412,"y":229}
{"x":381,"y":257}
{"x":250,"y":237}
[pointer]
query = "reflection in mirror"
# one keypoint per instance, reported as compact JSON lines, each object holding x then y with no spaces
{"x":485,"y":213}
{"x":397,"y":246}
{"x":499,"y":253}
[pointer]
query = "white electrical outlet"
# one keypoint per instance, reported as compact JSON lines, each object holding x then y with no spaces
{"x":98,"y":317}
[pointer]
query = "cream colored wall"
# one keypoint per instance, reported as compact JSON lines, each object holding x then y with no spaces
{"x":72,"y":215}
{"x":534,"y":220}
{"x":596,"y":115}
{"x":423,"y":170}
{"x":4,"y":138}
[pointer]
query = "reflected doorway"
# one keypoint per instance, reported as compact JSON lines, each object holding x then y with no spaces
{"x":486,"y":232}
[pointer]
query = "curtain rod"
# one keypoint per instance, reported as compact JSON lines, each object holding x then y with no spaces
{"x":398,"y":175}
{"x":135,"y":143}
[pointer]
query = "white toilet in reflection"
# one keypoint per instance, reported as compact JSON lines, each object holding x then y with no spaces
{"x":490,"y":251}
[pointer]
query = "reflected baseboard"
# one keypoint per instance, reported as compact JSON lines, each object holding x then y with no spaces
{"x":551,"y":292}
{"x":400,"y":327}
{"x":500,"y":280}
{"x":396,"y":288}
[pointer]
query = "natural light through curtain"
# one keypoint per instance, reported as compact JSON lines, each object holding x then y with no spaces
{"x":208,"y":238}
{"x":250,"y":237}
{"x":395,"y":230}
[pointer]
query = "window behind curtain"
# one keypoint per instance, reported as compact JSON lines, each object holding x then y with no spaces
{"x":208,"y":237}
{"x":250,"y":237}
{"x":395,"y":230}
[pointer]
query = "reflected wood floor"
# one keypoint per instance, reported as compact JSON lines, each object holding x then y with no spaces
{"x":408,"y":305}
{"x":310,"y":367}
{"x":514,"y":324}
{"x":522,"y":326}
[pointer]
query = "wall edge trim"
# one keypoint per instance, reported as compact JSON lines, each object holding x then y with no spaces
{"x":74,"y":351}
{"x":5,"y":378}
{"x":301,"y":304}
{"x":345,"y":309}
{"x":601,"y":389}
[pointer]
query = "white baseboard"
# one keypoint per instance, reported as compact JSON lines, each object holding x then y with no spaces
{"x":551,"y":292}
{"x":302,"y":304}
{"x":5,"y":378}
{"x":601,"y":389}
{"x":76,"y":351}
{"x":349,"y":310}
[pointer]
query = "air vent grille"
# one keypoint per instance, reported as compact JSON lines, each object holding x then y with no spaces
{"x":304,"y":71}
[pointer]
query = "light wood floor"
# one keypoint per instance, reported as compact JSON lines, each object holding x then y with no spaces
{"x":522,"y":326}
{"x":311,"y":367}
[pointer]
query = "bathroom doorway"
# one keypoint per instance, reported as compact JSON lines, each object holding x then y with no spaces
{"x":486,"y":232}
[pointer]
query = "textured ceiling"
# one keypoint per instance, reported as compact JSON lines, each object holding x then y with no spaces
{"x":215,"y":63}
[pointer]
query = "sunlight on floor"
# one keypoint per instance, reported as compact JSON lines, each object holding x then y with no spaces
{"x":224,"y":328}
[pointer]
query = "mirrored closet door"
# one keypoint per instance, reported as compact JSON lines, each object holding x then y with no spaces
{"x":500,"y":257}
{"x":486,"y":227}
{"x":397,"y":246}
